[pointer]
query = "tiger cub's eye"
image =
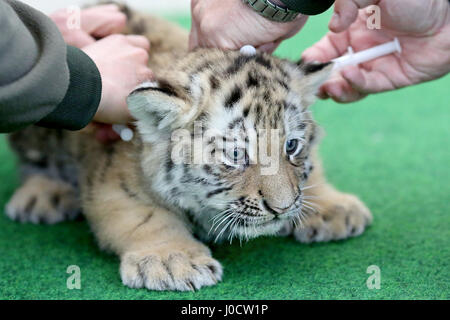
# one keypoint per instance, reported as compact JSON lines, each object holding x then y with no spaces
{"x":237,"y":156}
{"x":292,"y":146}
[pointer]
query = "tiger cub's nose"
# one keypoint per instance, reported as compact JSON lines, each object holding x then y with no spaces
{"x":274,"y":210}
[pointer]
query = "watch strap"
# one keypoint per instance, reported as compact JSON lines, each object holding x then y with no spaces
{"x":308,"y":7}
{"x":272,"y":11}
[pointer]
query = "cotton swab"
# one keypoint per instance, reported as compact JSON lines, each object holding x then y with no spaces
{"x":248,"y":50}
{"x":125,"y":133}
{"x":353,"y":59}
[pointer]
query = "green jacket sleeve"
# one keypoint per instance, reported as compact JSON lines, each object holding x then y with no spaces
{"x":308,"y":7}
{"x":82,"y":97}
{"x":42,"y":80}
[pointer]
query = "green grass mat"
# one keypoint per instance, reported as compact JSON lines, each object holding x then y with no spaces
{"x":390,"y":149}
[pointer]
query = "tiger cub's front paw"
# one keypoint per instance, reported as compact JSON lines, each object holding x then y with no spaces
{"x":43,"y":200}
{"x":174,"y":270}
{"x":344,"y":217}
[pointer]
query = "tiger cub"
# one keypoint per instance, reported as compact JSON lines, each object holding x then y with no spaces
{"x":155,"y":206}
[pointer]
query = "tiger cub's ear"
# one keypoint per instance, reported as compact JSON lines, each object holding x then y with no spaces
{"x":314,"y":75}
{"x":158,"y":107}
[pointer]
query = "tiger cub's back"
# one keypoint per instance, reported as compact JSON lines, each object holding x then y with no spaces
{"x":167,"y":40}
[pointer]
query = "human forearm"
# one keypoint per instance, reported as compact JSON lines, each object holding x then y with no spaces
{"x":40,"y":79}
{"x":34,"y":75}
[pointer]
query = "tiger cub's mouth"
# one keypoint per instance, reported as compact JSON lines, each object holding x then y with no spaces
{"x":240,"y":223}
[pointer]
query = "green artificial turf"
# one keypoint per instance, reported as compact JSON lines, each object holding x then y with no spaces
{"x":390,"y":149}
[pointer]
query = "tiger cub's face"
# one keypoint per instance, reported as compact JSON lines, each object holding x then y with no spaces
{"x":230,"y":138}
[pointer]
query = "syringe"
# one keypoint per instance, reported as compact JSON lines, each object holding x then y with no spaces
{"x":353,"y":59}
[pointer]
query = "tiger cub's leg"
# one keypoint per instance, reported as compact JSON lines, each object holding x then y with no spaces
{"x":48,"y":193}
{"x":155,"y":247}
{"x":332,"y":215}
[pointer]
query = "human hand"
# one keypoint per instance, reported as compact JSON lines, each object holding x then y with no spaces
{"x":422,"y":27}
{"x":122,"y":63}
{"x":96,"y":22}
{"x":231,"y":24}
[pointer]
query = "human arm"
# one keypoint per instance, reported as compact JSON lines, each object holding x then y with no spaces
{"x":36,"y":82}
{"x":43,"y":81}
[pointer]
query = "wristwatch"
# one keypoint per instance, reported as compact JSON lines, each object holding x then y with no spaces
{"x":272,"y":11}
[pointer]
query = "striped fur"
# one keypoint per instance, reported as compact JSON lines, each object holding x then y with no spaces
{"x":152,"y":210}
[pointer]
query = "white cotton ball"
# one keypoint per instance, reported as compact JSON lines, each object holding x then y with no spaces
{"x":126,"y":134}
{"x":248,"y":50}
